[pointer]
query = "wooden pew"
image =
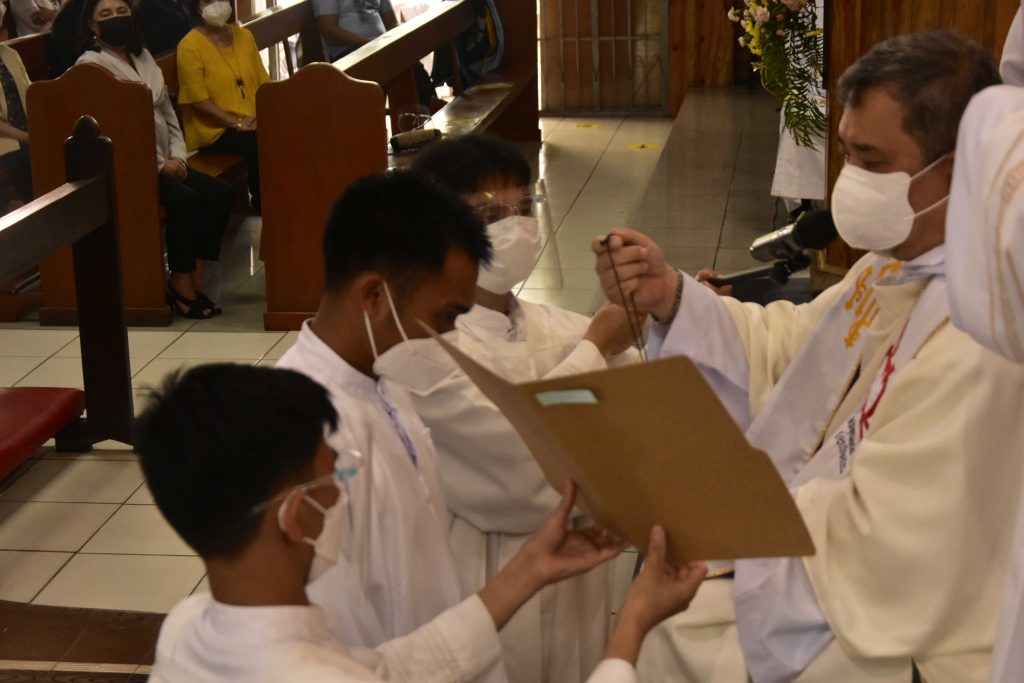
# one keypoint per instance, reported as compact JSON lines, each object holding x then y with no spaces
{"x":119,"y":107}
{"x":80,"y":216}
{"x":303,"y":167}
{"x":54,"y":104}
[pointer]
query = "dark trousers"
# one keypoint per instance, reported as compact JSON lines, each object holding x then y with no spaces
{"x":197,"y":209}
{"x":242,"y":143}
{"x":19,"y":169}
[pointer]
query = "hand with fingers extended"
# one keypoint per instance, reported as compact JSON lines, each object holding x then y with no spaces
{"x":659,"y":591}
{"x":552,"y":553}
{"x":612,"y":331}
{"x":631,"y":266}
{"x":706,"y":274}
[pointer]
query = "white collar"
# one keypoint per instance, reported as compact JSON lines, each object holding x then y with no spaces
{"x":333,"y":368}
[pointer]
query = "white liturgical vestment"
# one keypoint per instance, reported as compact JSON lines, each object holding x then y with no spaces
{"x":204,"y":641}
{"x":404,"y":570}
{"x":985,"y":233}
{"x":496,"y":491}
{"x":899,"y":437}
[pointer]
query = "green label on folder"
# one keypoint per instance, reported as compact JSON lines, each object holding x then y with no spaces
{"x":568,"y":397}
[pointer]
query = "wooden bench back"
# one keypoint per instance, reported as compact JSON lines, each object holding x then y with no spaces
{"x":118,"y":106}
{"x":303,"y":173}
{"x":34,"y":51}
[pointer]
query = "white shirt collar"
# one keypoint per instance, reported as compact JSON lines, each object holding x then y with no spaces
{"x":331,"y":367}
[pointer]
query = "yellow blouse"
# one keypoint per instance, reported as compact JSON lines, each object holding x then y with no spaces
{"x":209,"y":72}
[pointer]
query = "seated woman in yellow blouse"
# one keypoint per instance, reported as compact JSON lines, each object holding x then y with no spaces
{"x":219,"y":70}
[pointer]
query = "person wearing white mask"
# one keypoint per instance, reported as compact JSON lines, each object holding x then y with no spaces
{"x":495,"y":491}
{"x":985,"y":235}
{"x":398,"y":251}
{"x":219,"y":72}
{"x":252,"y":492}
{"x":897,"y":434}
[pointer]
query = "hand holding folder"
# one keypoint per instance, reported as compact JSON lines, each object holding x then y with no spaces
{"x":651,"y":444}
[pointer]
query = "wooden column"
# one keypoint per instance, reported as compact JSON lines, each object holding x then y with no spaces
{"x":853,"y":26}
{"x":702,"y":46}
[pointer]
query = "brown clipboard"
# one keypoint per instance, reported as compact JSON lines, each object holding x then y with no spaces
{"x":651,"y":444}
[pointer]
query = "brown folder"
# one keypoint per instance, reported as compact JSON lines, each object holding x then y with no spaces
{"x":652,"y":444}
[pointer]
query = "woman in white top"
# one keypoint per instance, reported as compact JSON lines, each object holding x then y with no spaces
{"x":197,"y":205}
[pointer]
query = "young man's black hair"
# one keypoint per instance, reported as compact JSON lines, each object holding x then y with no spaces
{"x":220,"y":439}
{"x":400,"y":225}
{"x":466,"y":163}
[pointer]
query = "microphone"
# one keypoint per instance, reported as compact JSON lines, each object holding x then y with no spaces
{"x":811,"y":230}
{"x":785,"y":246}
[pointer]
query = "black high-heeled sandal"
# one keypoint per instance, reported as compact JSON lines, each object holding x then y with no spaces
{"x":209,"y":303}
{"x":197,"y":310}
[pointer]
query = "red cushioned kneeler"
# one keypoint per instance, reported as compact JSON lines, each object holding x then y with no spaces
{"x":29,"y":416}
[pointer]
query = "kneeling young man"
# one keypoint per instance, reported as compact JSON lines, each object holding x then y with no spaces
{"x":249,"y":486}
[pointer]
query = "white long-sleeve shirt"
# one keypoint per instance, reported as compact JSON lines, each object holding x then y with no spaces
{"x":496,"y":491}
{"x":170,"y":141}
{"x":204,"y":641}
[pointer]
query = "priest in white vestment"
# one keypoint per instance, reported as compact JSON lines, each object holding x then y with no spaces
{"x":898,"y":435}
{"x":495,"y":490}
{"x":985,"y":234}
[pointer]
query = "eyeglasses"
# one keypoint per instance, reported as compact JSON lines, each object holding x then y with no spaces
{"x":533,"y":201}
{"x":348,"y":463}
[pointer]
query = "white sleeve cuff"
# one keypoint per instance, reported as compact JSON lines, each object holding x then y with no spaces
{"x":613,"y":671}
{"x":469,"y":630}
{"x":584,"y":358}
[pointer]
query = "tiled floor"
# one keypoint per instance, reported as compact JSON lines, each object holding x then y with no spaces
{"x":81,"y":530}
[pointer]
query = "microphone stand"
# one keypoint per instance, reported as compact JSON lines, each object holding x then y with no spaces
{"x":779,"y":272}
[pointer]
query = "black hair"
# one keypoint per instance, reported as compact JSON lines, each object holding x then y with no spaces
{"x":192,"y":6}
{"x":464,"y":164}
{"x":933,"y":74}
{"x":220,"y":439}
{"x":401,"y":225}
{"x":72,"y":36}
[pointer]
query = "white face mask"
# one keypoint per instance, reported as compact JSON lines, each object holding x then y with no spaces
{"x":217,"y":13}
{"x":872,"y":210}
{"x":516,"y":243}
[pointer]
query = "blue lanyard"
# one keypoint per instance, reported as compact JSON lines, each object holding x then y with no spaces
{"x":392,"y":413}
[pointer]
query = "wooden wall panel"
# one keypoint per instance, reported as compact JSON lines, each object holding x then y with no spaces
{"x":702,"y":46}
{"x":853,"y":26}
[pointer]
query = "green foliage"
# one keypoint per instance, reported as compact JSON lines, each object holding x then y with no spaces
{"x":783,"y":35}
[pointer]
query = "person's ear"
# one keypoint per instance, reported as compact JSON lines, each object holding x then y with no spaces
{"x":288,"y":518}
{"x":369,"y":289}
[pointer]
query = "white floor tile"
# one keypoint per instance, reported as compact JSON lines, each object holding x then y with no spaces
{"x":55,"y":372}
{"x":143,"y":583}
{"x":105,"y":450}
{"x":203,"y":586}
{"x":23,"y":574}
{"x":280,"y":347}
{"x":34,"y":342}
{"x":137,"y":530}
{"x":152,"y":376}
{"x":223,"y":345}
{"x":50,"y":526}
{"x":143,"y":345}
{"x":142,"y":496}
{"x":14,"y":368}
{"x":62,"y":481}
